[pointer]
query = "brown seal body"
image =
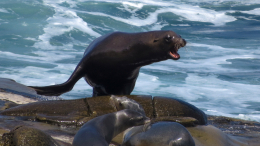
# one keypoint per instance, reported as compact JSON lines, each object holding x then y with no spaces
{"x":101,"y":130}
{"x":111,"y":63}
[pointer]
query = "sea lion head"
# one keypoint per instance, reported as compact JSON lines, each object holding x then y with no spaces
{"x":121,"y":103}
{"x":148,"y":47}
{"x":128,"y":118}
{"x":131,"y":118}
{"x":167,"y":44}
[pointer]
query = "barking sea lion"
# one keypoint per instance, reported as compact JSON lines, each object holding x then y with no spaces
{"x":111,"y":63}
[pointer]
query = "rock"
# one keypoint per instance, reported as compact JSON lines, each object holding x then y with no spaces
{"x":165,"y":106}
{"x":235,"y":126}
{"x":25,"y":136}
{"x":78,"y":111}
{"x":212,"y":136}
{"x":44,"y":110}
{"x":19,"y":93}
{"x":100,"y":105}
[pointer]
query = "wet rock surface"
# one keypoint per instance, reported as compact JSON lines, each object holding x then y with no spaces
{"x":165,"y":106}
{"x":79,"y":111}
{"x":235,"y":126}
{"x":21,"y":93}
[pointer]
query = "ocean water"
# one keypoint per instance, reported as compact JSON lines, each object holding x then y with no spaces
{"x":42,"y":41}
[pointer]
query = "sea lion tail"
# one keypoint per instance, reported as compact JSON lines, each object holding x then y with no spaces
{"x":56,"y":90}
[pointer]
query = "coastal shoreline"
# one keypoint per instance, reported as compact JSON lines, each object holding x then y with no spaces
{"x":219,"y":130}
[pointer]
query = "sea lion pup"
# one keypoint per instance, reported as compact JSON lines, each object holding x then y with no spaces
{"x":101,"y":130}
{"x":158,"y":134}
{"x":111,"y":63}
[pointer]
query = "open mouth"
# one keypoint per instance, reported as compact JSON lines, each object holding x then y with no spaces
{"x":174,"y":53}
{"x":174,"y":50}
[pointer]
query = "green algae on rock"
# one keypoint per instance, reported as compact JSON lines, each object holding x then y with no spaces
{"x":26,"y":136}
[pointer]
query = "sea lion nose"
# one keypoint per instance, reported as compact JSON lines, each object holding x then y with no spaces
{"x":183,"y":42}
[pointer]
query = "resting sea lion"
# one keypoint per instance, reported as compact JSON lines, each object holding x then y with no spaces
{"x":158,"y":134}
{"x":101,"y":130}
{"x":111,"y":63}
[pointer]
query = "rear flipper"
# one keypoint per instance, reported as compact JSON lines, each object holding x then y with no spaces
{"x":54,"y":90}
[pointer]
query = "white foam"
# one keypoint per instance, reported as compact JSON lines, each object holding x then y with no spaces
{"x":54,"y":3}
{"x":255,"y":117}
{"x":81,"y":88}
{"x":158,"y":26}
{"x":253,"y":12}
{"x":137,"y":5}
{"x":131,"y":7}
{"x":207,"y":31}
{"x":189,"y":12}
{"x":20,"y":57}
{"x":211,"y":59}
{"x":64,"y":20}
{"x":218,"y":49}
{"x":31,"y":39}
{"x":35,"y":76}
{"x":221,"y":2}
{"x":43,"y":57}
{"x":146,"y":83}
{"x":250,"y":20}
{"x":207,"y":65}
{"x":208,"y":92}
{"x":2,"y":10}
{"x":180,"y":25}
{"x":24,"y":24}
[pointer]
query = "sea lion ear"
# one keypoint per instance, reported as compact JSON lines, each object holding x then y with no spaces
{"x":155,"y":40}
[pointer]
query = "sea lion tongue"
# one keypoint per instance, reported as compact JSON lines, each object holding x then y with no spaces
{"x":174,"y":54}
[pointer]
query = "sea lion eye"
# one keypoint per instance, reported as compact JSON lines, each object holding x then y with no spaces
{"x":168,"y":38}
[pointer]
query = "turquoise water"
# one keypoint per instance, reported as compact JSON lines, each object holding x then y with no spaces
{"x":41,"y":43}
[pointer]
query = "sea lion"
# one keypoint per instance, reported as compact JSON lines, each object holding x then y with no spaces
{"x":158,"y":134}
{"x":101,"y":130}
{"x":111,"y":63}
